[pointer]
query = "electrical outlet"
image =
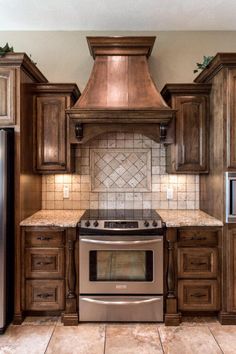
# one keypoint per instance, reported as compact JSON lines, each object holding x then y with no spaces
{"x":66,"y":191}
{"x":169,"y":193}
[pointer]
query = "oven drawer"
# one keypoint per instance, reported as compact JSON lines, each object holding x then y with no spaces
{"x":44,"y":295}
{"x":199,"y":295}
{"x":44,"y":263}
{"x":121,"y":308}
{"x":197,"y":262}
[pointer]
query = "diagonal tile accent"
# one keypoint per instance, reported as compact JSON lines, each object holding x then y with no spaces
{"x":125,"y":170}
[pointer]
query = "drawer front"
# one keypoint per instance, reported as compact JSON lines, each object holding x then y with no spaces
{"x":44,"y":263}
{"x":200,"y":295}
{"x":44,"y":238}
{"x":44,"y":295}
{"x":197,"y":262}
{"x":197,"y":237}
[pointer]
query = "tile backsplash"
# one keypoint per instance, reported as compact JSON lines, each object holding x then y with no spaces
{"x":120,"y":170}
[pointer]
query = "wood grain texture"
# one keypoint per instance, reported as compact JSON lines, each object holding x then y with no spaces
{"x":189,"y":154}
{"x":7,"y":96}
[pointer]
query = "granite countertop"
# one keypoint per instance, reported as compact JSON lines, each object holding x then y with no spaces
{"x":70,"y":218}
{"x":178,"y":218}
{"x":61,"y":218}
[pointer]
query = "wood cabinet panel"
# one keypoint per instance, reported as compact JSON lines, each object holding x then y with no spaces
{"x":191,"y":127}
{"x":232,"y":268}
{"x":44,"y":263}
{"x":197,"y":237}
{"x":231,"y":132}
{"x":201,"y":295}
{"x":7,"y":96}
{"x":51,"y":133}
{"x":197,"y":262}
{"x":43,"y":295}
{"x":44,"y":238}
{"x":189,"y":154}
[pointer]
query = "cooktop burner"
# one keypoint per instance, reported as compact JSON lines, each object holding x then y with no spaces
{"x":120,"y":221}
{"x":120,"y":214}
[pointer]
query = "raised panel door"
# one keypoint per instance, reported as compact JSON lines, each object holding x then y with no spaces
{"x":231,"y":126}
{"x":191,"y":138}
{"x":51,"y":134}
{"x":7,"y":96}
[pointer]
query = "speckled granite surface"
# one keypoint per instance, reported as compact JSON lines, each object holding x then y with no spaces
{"x":178,"y":218}
{"x":62,"y":218}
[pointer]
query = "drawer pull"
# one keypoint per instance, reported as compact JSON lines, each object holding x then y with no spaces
{"x":199,"y":263}
{"x":44,"y":295}
{"x":197,"y":295}
{"x":44,"y":263}
{"x":198,"y":238}
{"x":44,"y":238}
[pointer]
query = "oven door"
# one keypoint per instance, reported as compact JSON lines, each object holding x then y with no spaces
{"x":121,"y":265}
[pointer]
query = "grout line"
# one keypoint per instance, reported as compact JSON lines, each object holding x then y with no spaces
{"x":215,"y":339}
{"x":105,"y":337}
{"x":50,"y":337}
{"x":160,"y":339}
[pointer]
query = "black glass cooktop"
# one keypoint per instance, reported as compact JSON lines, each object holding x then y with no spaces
{"x":120,"y":214}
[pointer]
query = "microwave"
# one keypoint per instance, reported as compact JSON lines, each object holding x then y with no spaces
{"x":230,"y":193}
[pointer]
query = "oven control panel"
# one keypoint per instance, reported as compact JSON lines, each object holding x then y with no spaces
{"x":121,"y":224}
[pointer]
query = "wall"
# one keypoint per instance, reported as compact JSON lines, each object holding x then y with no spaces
{"x":64,"y":56}
{"x":125,"y":148}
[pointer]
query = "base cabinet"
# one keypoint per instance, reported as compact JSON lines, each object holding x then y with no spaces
{"x":48,"y":278}
{"x":193,"y":272}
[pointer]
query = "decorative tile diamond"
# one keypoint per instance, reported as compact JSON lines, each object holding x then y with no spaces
{"x":120,"y":170}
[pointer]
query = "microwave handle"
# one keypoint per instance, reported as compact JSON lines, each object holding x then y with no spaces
{"x":125,"y":243}
{"x":135,"y":302}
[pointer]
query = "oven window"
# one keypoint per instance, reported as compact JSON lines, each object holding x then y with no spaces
{"x":121,"y":265}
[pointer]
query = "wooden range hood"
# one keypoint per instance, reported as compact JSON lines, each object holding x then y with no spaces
{"x":120,"y":94}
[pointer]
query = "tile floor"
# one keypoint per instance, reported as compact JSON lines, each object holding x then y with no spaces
{"x":48,"y":335}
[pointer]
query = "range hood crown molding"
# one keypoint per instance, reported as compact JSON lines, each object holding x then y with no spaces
{"x":120,"y":88}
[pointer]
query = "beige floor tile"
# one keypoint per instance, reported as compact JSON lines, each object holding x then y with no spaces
{"x":226,"y":337}
{"x":40,"y":320}
{"x":188,"y":340}
{"x":198,"y":321}
{"x":25,"y":339}
{"x":132,"y":339}
{"x":82,"y":339}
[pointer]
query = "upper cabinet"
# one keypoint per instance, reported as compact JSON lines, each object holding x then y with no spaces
{"x":52,"y":148}
{"x":7,"y":96}
{"x":189,"y":154}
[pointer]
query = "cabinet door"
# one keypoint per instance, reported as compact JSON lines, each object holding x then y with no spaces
{"x":7,"y":96}
{"x":231,"y":126}
{"x":191,"y":139}
{"x":232,"y":268}
{"x":51,"y":150}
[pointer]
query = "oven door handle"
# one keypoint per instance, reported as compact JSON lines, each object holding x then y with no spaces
{"x":118,"y":303}
{"x":126,"y":243}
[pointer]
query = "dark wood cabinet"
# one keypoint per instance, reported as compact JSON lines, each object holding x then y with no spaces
{"x":48,"y":273}
{"x":193,"y":271}
{"x":52,"y":148}
{"x":231,"y":133}
{"x":189,"y":154}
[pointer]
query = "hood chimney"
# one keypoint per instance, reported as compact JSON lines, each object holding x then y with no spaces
{"x":120,"y":89}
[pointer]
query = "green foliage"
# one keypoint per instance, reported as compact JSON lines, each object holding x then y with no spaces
{"x":204,"y":64}
{"x":5,"y":49}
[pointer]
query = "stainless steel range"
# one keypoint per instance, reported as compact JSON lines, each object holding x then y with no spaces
{"x":121,"y":265}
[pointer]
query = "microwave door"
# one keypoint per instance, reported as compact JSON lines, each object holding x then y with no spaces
{"x":233,"y":197}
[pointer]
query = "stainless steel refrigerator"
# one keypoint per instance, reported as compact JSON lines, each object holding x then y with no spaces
{"x":6,"y":226}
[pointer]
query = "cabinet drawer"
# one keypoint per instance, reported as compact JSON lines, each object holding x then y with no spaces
{"x":42,"y":295}
{"x":44,"y":263}
{"x":197,"y":262}
{"x":200,"y":295}
{"x":44,"y":238}
{"x":197,"y":237}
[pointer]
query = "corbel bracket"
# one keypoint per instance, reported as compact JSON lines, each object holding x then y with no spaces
{"x":79,"y":131}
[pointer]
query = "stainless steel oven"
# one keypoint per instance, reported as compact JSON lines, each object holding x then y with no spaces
{"x":121,"y":266}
